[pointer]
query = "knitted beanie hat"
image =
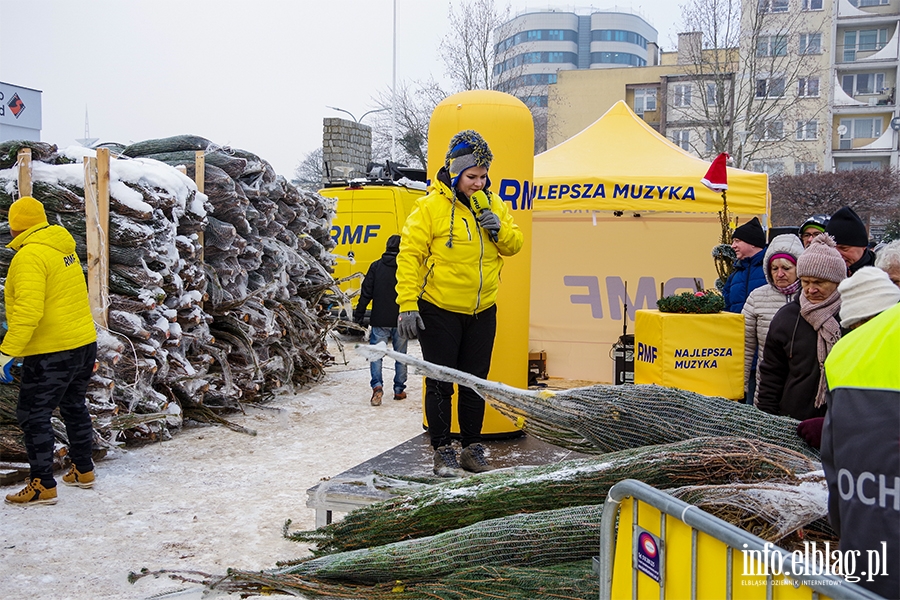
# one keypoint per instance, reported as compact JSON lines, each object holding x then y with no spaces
{"x":822,"y":260}
{"x":868,"y":292}
{"x":752,"y":233}
{"x":847,"y":228}
{"x":467,"y":149}
{"x":25,"y":213}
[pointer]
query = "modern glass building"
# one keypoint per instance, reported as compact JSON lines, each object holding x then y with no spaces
{"x":532,"y":47}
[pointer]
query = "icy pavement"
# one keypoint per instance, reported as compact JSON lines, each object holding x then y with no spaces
{"x":207,"y":500}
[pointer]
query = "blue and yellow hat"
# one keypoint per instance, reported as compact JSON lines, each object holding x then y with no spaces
{"x":467,"y":149}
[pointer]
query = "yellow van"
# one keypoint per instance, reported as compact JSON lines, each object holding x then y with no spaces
{"x":368,"y":212}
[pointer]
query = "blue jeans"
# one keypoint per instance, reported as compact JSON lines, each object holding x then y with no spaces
{"x":385,"y":334}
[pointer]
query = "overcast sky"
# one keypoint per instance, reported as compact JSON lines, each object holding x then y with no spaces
{"x":252,"y":75}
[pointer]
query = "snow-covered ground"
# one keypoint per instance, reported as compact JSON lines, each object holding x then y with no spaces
{"x":207,"y":500}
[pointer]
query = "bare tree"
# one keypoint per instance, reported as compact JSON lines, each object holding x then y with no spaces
{"x":872,"y":193}
{"x":751,"y":62}
{"x":415,"y":103}
{"x":468,"y":50}
{"x":309,"y":172}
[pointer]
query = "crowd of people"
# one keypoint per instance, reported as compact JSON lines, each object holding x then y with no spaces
{"x":822,"y":345}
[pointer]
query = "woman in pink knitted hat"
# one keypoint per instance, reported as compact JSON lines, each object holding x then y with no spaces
{"x":801,"y":335}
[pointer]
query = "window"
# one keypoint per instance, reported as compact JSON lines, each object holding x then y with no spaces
{"x":713,"y":137}
{"x":712,"y":94}
{"x":644,"y":100}
{"x":771,"y":167}
{"x":769,"y":129}
{"x":869,"y":2}
{"x":863,"y":83}
{"x":682,"y":138}
{"x":850,"y":129}
{"x":773,"y":5}
{"x":808,"y":87}
{"x":863,"y":40}
{"x":771,"y":45}
{"x":811,"y":5}
{"x":808,"y":130}
{"x":770,"y":88}
{"x":810,"y":43}
{"x":805,"y":167}
{"x":682,"y":95}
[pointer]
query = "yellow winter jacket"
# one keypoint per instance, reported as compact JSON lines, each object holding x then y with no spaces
{"x":447,"y":258}
{"x":46,"y":296}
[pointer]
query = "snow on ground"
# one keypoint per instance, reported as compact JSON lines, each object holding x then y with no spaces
{"x":206,"y":500}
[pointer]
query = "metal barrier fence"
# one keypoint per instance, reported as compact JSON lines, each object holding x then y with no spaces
{"x":732,"y":538}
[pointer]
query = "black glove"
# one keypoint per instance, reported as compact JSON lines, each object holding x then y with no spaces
{"x":409,"y":323}
{"x":811,"y":431}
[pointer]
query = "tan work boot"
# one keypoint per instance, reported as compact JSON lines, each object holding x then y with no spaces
{"x":472,"y":459}
{"x":445,"y":463}
{"x":399,"y":395}
{"x":377,"y":393}
{"x":33,"y":493}
{"x":78,"y":479}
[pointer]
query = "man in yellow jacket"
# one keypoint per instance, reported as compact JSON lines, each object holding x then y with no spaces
{"x":51,"y":327}
{"x":448,"y":273}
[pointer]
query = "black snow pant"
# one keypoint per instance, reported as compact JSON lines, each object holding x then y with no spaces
{"x":463,"y":342}
{"x":51,"y":380}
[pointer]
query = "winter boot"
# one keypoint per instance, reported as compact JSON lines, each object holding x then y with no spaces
{"x":33,"y":493}
{"x":445,"y":463}
{"x":78,"y":479}
{"x":377,"y":393}
{"x":399,"y":395}
{"x":472,"y":459}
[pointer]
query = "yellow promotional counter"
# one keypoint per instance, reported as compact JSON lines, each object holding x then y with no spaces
{"x":702,"y":353}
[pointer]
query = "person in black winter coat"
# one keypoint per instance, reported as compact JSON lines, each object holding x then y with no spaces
{"x":379,"y":288}
{"x":802,"y":333}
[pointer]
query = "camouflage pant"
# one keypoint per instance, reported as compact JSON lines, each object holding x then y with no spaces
{"x":51,"y":380}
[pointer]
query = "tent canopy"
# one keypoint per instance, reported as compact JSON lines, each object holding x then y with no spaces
{"x":621,"y":163}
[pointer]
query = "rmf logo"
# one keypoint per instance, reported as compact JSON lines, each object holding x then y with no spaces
{"x":350,"y":235}
{"x":646,"y":353}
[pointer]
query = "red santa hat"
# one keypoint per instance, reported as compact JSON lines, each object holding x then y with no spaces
{"x":717,"y":177}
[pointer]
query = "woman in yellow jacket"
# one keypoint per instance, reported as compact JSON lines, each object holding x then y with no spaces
{"x":50,"y":325}
{"x":448,"y":272}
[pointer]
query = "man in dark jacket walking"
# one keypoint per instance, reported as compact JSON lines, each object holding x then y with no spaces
{"x":749,"y":244}
{"x":379,"y":288}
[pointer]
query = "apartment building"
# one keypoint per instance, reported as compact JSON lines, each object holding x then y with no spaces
{"x":534,"y":47}
{"x":809,"y":85}
{"x":865,"y":65}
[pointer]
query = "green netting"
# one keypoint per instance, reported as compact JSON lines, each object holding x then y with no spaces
{"x":606,"y":418}
{"x":569,"y":483}
{"x":564,"y":581}
{"x":530,"y":539}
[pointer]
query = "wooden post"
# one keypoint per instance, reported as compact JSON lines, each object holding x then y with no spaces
{"x":200,"y":180}
{"x":24,"y":159}
{"x":96,"y":210}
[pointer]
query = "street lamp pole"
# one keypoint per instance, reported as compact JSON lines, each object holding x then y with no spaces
{"x":359,"y":120}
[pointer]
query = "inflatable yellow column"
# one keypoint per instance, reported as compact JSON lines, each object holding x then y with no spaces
{"x":506,"y":125}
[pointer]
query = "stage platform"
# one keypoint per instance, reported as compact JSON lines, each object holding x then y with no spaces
{"x":383,"y":476}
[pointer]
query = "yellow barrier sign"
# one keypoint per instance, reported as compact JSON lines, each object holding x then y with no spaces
{"x":699,"y":353}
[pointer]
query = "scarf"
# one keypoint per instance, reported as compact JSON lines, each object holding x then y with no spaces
{"x":789,"y":290}
{"x":820,"y":316}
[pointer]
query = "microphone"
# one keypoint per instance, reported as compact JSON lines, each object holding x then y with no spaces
{"x":480,"y":203}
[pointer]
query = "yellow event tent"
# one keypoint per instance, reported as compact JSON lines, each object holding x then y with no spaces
{"x":618,"y":205}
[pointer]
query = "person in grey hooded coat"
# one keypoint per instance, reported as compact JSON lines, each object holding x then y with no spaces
{"x":780,"y":267}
